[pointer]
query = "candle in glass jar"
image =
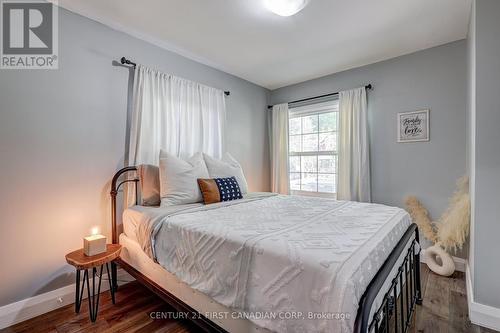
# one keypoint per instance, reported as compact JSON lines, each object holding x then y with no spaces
{"x":94,"y":244}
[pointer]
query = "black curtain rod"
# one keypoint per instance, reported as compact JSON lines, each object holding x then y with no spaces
{"x":125,"y":61}
{"x":368,"y":86}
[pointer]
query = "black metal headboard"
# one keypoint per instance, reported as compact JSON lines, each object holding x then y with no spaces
{"x":115,"y":186}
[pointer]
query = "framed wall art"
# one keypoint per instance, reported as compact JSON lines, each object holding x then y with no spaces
{"x":413,"y":126}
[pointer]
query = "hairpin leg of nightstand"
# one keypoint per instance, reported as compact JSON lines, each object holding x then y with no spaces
{"x":114,"y":276}
{"x":79,"y":289}
{"x":111,"y":287}
{"x":94,"y":297}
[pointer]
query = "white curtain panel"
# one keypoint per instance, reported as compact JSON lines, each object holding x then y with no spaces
{"x":353,"y":147}
{"x":280,"y":182}
{"x":181,"y":117}
{"x":177,"y":115}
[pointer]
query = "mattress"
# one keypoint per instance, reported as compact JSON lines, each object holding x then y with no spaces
{"x":132,"y":217}
{"x":290,"y":263}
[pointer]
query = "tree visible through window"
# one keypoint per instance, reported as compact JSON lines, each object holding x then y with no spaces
{"x":313,"y":136}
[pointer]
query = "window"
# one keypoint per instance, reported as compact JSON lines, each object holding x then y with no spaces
{"x":313,"y":137}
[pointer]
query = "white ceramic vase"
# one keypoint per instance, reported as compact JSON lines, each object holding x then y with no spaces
{"x":439,"y":261}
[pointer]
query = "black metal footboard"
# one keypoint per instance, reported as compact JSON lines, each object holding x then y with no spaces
{"x":396,"y":309}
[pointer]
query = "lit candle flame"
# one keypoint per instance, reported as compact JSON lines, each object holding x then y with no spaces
{"x":94,"y":231}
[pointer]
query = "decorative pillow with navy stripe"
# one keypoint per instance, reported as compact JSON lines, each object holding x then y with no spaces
{"x":219,"y":189}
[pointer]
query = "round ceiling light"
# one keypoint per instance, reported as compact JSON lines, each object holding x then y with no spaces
{"x":285,"y":7}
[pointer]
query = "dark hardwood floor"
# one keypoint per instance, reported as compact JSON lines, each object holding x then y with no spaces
{"x":131,"y":313}
{"x":444,"y":310}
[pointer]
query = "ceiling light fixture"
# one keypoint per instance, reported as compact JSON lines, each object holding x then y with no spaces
{"x":285,"y":7}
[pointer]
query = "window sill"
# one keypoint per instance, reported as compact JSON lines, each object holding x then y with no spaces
{"x":315,"y":194}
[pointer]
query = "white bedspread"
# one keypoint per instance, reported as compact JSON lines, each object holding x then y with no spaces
{"x":273,"y":257}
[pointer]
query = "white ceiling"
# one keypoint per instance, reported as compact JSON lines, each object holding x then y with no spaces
{"x":242,"y":38}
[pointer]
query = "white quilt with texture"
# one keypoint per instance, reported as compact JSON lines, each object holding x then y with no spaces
{"x":272,"y":257}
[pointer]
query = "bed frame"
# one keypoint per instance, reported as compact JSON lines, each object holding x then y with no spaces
{"x":396,"y":310}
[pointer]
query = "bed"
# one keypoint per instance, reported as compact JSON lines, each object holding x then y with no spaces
{"x":275,"y":263}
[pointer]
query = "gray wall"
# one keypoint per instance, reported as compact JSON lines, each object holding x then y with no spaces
{"x":62,"y":136}
{"x":486,"y":158}
{"x":432,"y":79}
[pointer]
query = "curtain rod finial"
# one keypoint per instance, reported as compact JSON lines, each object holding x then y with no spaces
{"x":125,"y":61}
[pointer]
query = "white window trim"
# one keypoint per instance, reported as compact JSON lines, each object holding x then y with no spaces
{"x":314,"y":109}
{"x":314,"y":153}
{"x":314,"y":194}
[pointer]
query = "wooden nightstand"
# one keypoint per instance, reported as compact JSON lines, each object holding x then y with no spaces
{"x":84,"y":263}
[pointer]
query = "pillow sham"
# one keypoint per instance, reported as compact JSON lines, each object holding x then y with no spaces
{"x":178,"y":177}
{"x":226,"y":167}
{"x":149,"y":176}
{"x":219,"y":189}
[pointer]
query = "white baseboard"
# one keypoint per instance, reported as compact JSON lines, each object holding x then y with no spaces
{"x":480,"y":314}
{"x":28,"y":308}
{"x":459,"y":262}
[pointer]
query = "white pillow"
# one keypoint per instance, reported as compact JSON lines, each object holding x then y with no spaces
{"x":226,"y":167}
{"x":178,"y":179}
